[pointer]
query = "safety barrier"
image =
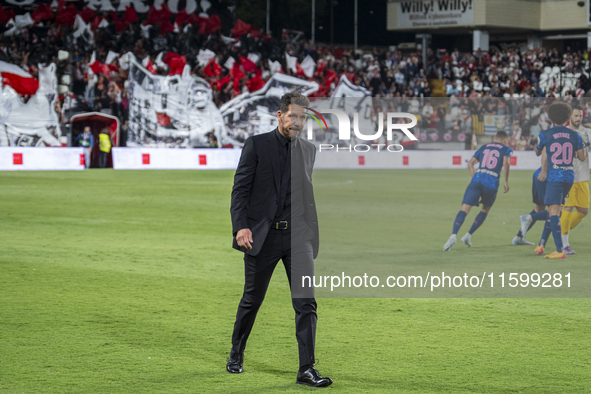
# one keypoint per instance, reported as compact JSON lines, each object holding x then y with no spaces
{"x":25,"y":158}
{"x":14,"y":158}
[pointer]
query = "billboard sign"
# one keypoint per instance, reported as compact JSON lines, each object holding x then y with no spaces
{"x":434,"y":13}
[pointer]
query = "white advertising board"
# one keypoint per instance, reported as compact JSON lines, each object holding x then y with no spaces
{"x":434,"y":13}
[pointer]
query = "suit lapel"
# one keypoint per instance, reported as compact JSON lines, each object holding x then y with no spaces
{"x":274,"y":158}
{"x":302,"y":159}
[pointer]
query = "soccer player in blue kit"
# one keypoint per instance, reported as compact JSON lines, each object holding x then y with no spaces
{"x":493,"y":157}
{"x":539,"y":212}
{"x":561,"y":144}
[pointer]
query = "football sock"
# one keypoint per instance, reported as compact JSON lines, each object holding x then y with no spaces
{"x":565,"y":221}
{"x":555,"y":226}
{"x":545,"y":233}
{"x":564,"y":239}
{"x":459,"y":221}
{"x":480,"y":218}
{"x":576,"y":218}
{"x":539,"y":215}
{"x":520,"y":234}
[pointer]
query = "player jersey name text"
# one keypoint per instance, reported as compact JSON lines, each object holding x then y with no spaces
{"x":561,"y":135}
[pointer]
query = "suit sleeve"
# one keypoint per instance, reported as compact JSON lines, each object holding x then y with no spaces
{"x":242,"y":185}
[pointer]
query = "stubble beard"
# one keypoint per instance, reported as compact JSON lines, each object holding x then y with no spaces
{"x":289,"y":133}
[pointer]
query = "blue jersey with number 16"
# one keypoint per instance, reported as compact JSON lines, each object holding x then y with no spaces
{"x":561,"y":145}
{"x":490,"y":157}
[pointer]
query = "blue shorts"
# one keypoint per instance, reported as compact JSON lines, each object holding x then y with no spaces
{"x":556,"y":192}
{"x":477,"y":193}
{"x":538,"y":191}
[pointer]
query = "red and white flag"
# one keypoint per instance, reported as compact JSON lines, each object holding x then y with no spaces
{"x":291,"y":62}
{"x":308,"y":66}
{"x":148,"y":65}
{"x":18,"y":79}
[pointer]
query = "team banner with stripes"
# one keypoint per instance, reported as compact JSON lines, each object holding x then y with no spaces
{"x":27,"y":114}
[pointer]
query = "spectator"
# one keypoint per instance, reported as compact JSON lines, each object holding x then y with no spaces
{"x":212,"y":139}
{"x":105,"y":143}
{"x":385,"y":72}
{"x":123,"y":132}
{"x":521,"y":144}
{"x":86,"y":141}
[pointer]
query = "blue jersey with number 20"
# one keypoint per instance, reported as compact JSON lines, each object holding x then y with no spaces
{"x":490,"y":157}
{"x":561,"y":145}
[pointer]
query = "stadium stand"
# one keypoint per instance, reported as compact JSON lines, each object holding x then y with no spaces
{"x":164,"y":42}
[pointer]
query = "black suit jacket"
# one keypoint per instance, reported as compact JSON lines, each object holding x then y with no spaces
{"x":255,"y":194}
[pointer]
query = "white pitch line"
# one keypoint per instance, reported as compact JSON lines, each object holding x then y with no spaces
{"x":333,"y":183}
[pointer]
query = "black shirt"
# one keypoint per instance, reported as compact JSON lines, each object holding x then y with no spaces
{"x":289,"y":209}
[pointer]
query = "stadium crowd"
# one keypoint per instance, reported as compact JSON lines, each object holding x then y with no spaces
{"x":95,"y":73}
{"x":513,"y":72}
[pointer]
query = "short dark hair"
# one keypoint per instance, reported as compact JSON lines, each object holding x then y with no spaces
{"x":559,"y":113}
{"x":577,"y":107}
{"x":501,"y":135}
{"x":292,"y":98}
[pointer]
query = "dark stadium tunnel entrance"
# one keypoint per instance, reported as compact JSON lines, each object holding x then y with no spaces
{"x":97,"y":121}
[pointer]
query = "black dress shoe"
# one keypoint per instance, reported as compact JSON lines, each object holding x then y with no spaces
{"x":311,"y":377}
{"x":235,"y":363}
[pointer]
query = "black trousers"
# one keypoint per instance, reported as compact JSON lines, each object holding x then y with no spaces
{"x":103,"y":159}
{"x":257,"y":274}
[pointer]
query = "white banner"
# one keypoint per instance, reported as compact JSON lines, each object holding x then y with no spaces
{"x":256,"y":113}
{"x":435,"y":13}
{"x":27,"y":158}
{"x":414,"y":159}
{"x":37,"y":159}
{"x":34,"y":123}
{"x":175,"y":159}
{"x":174,"y":111}
{"x":227,"y":159}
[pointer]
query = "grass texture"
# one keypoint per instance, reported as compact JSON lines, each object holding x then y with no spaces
{"x":124,"y":282}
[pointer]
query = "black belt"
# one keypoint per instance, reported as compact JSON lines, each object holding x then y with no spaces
{"x":280,"y":225}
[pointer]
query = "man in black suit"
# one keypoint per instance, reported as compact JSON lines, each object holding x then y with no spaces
{"x":274,"y":218}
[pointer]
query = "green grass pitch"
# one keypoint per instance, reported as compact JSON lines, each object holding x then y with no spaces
{"x":123,"y":282}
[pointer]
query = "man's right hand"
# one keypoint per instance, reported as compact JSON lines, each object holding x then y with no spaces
{"x":244,"y":238}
